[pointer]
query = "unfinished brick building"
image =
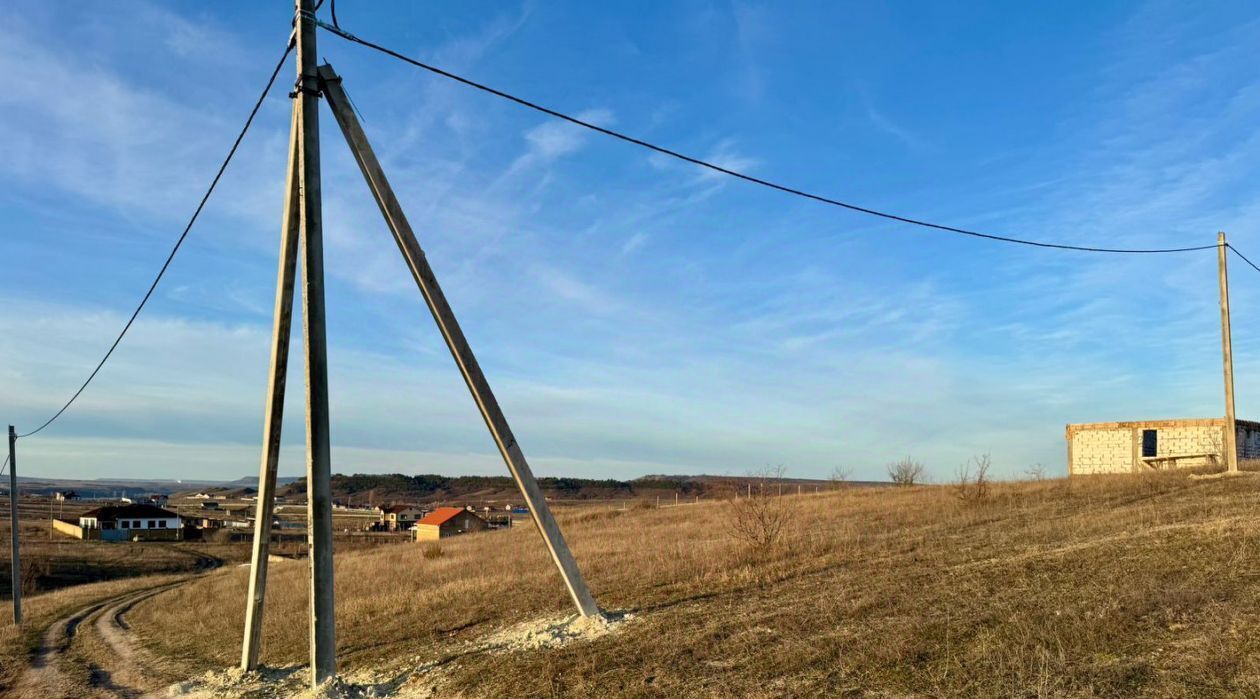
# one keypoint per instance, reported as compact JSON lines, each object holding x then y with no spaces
{"x":1152,"y":445}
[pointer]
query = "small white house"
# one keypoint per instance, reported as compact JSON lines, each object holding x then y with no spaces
{"x":135,"y":521}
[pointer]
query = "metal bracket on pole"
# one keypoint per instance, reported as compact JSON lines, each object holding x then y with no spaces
{"x":455,"y":341}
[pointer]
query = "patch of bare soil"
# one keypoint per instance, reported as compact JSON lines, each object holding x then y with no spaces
{"x":552,"y":633}
{"x":419,"y":681}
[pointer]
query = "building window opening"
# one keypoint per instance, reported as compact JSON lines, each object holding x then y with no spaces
{"x":1150,"y":443}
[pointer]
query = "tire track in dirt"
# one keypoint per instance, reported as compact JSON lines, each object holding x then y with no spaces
{"x":129,"y":670}
{"x":50,"y":673}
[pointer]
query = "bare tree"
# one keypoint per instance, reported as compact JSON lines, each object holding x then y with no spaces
{"x":1037,"y":472}
{"x":973,"y":485}
{"x":759,"y":516}
{"x":906,"y":472}
{"x":840,"y":476}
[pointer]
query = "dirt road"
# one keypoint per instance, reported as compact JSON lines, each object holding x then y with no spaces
{"x":57,"y":670}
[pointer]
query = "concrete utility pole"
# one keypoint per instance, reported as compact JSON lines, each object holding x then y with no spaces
{"x":458,"y":345}
{"x":318,"y":451}
{"x":1231,"y":429}
{"x":13,"y":529}
{"x":274,"y":417}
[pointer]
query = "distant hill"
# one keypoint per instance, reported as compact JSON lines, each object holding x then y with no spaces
{"x":397,"y":487}
{"x":131,"y":487}
{"x":252,"y":481}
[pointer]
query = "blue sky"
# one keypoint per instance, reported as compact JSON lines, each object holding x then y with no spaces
{"x":635,"y":315}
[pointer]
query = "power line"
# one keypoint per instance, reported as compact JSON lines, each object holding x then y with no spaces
{"x":1244,"y":257}
{"x":180,"y":241}
{"x":734,"y":173}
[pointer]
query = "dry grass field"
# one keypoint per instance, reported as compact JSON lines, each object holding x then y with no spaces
{"x":1134,"y":586}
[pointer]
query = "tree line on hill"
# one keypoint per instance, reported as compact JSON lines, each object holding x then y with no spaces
{"x":384,"y":487}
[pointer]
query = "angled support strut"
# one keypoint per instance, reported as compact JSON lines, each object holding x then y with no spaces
{"x":455,"y":341}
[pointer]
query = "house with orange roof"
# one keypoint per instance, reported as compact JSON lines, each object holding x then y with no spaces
{"x":448,"y":521}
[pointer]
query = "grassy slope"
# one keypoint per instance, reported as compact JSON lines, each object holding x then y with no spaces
{"x":1091,"y":588}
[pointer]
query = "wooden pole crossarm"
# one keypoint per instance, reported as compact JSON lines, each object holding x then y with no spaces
{"x":456,"y":342}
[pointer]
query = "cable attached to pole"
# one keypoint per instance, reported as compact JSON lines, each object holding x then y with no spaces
{"x":179,"y":242}
{"x":1242,"y":256}
{"x":735,"y":173}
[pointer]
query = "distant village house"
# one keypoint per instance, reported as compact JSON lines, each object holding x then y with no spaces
{"x":448,"y":521}
{"x":399,"y":517}
{"x":135,"y":522}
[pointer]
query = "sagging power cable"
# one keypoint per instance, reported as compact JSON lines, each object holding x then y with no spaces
{"x":178,"y":242}
{"x":1242,"y":256}
{"x":336,"y":30}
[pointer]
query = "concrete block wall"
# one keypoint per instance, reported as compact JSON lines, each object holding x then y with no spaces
{"x":1102,"y":451}
{"x":1195,"y":439}
{"x":1115,"y":447}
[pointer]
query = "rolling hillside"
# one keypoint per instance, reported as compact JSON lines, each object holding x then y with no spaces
{"x":1110,"y":587}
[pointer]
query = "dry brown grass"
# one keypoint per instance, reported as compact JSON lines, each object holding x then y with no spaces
{"x":1108,"y":587}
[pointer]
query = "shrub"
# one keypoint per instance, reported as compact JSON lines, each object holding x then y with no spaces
{"x":906,"y":472}
{"x":432,"y":551}
{"x":973,"y":486}
{"x":758,"y":517}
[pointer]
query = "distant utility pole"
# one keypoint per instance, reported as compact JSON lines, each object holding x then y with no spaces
{"x":13,"y":529}
{"x":1231,"y":429}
